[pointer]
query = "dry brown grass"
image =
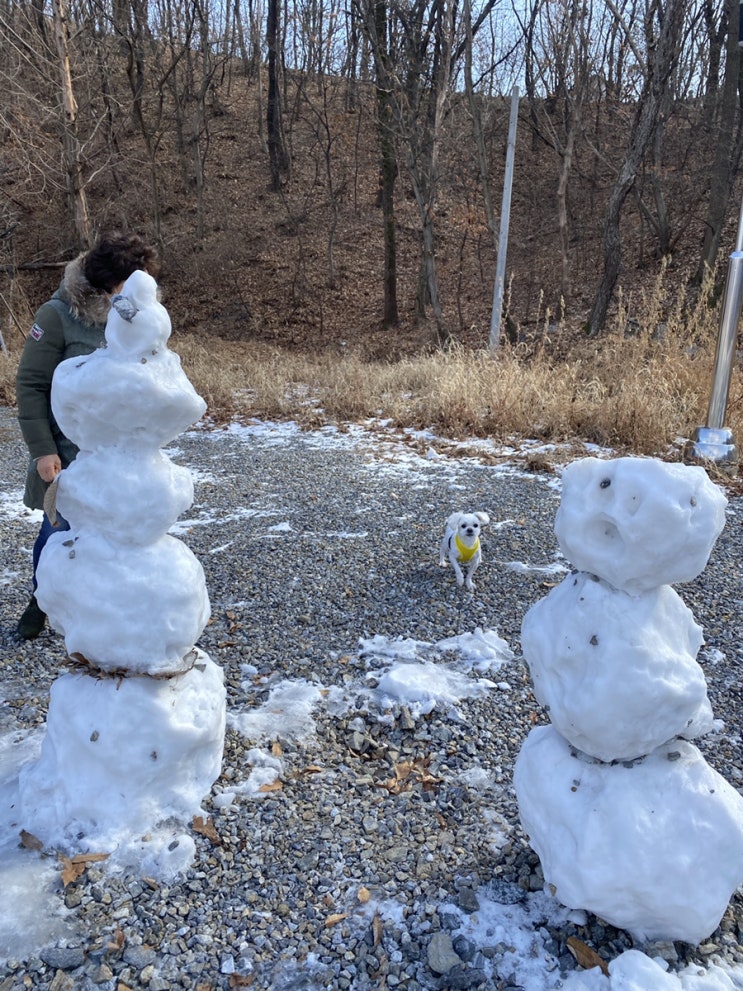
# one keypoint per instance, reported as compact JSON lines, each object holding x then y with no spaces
{"x":631,"y":390}
{"x":635,"y":394}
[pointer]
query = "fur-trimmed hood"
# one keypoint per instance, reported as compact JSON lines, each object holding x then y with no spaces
{"x":86,"y":303}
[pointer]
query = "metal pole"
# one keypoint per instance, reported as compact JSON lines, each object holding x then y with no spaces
{"x":715,"y":442}
{"x":505,"y":215}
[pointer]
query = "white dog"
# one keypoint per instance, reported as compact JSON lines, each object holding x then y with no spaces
{"x":461,"y":545}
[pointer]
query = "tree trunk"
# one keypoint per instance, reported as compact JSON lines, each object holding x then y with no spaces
{"x":75,"y":180}
{"x":725,"y":164}
{"x":388,"y":171}
{"x":277,"y":154}
{"x":646,"y":118}
{"x":474,"y":108}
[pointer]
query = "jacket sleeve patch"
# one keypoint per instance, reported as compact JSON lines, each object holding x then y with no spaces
{"x":37,"y":332}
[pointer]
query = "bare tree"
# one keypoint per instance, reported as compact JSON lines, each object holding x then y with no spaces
{"x":727,"y":144}
{"x":414,"y":63}
{"x":76,"y":182}
{"x":561,"y":77}
{"x":277,"y":152}
{"x":663,"y":26}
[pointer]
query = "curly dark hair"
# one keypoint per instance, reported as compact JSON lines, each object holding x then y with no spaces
{"x":115,"y":256}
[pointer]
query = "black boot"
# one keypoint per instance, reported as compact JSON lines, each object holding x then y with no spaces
{"x":32,"y":621}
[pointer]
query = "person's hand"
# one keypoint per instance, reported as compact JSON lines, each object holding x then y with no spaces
{"x":49,"y":467}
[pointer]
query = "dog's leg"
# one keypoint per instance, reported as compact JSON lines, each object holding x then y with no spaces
{"x":443,"y":552}
{"x":470,"y":585}
{"x":458,"y":572}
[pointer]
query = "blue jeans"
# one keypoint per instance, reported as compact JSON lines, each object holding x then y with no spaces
{"x":47,"y":529}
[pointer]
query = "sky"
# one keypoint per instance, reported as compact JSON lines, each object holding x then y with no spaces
{"x":406,"y":671}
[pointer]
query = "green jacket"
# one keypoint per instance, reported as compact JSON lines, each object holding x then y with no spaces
{"x":70,"y":324}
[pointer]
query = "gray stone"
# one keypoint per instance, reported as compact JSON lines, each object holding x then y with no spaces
{"x":63,"y":957}
{"x":441,"y":955}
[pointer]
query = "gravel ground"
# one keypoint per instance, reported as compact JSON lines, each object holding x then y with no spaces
{"x":276,"y":899}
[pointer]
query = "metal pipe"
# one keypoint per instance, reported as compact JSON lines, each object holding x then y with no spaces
{"x":715,"y":442}
{"x":726,"y":342}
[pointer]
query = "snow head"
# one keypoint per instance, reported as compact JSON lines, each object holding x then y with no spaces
{"x":138,"y":322}
{"x":637,"y":522}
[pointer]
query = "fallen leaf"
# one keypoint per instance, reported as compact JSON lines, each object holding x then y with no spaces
{"x":406,"y":772}
{"x":586,"y":957}
{"x":75,"y":867}
{"x":377,"y":929}
{"x":335,"y":918}
{"x":238,"y":981}
{"x":30,"y":842}
{"x":271,"y":786}
{"x":205,"y":827}
{"x":312,"y":769}
{"x":117,"y":943}
{"x":364,"y":895}
{"x":276,"y":749}
{"x":70,"y":872}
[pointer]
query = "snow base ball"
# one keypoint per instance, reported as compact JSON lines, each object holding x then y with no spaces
{"x":655,"y":848}
{"x":121,"y":755}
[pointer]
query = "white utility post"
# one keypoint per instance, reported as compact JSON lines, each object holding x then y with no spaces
{"x":505,"y":214}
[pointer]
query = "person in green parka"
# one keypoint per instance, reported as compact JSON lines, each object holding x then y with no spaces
{"x":70,"y":324}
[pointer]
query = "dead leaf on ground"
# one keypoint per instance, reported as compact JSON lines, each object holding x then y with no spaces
{"x":75,"y":867}
{"x":377,"y":929}
{"x":276,"y":749}
{"x":117,"y":943}
{"x":271,"y":786}
{"x":30,"y":842}
{"x":335,"y":918}
{"x":409,"y":772}
{"x":364,"y":895}
{"x":312,"y":769}
{"x":205,"y":827}
{"x":238,"y":981}
{"x":586,"y":957}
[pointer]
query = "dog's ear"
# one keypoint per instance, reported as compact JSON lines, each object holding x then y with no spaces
{"x":483,"y":518}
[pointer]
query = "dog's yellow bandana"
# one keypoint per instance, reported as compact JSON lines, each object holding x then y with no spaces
{"x":464,"y":552}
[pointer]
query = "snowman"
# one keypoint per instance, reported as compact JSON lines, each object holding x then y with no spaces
{"x":135,"y":730}
{"x":628,"y":819}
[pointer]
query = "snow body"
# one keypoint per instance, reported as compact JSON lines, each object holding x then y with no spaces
{"x":617,"y":673}
{"x":134,"y":738}
{"x":616,"y":804}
